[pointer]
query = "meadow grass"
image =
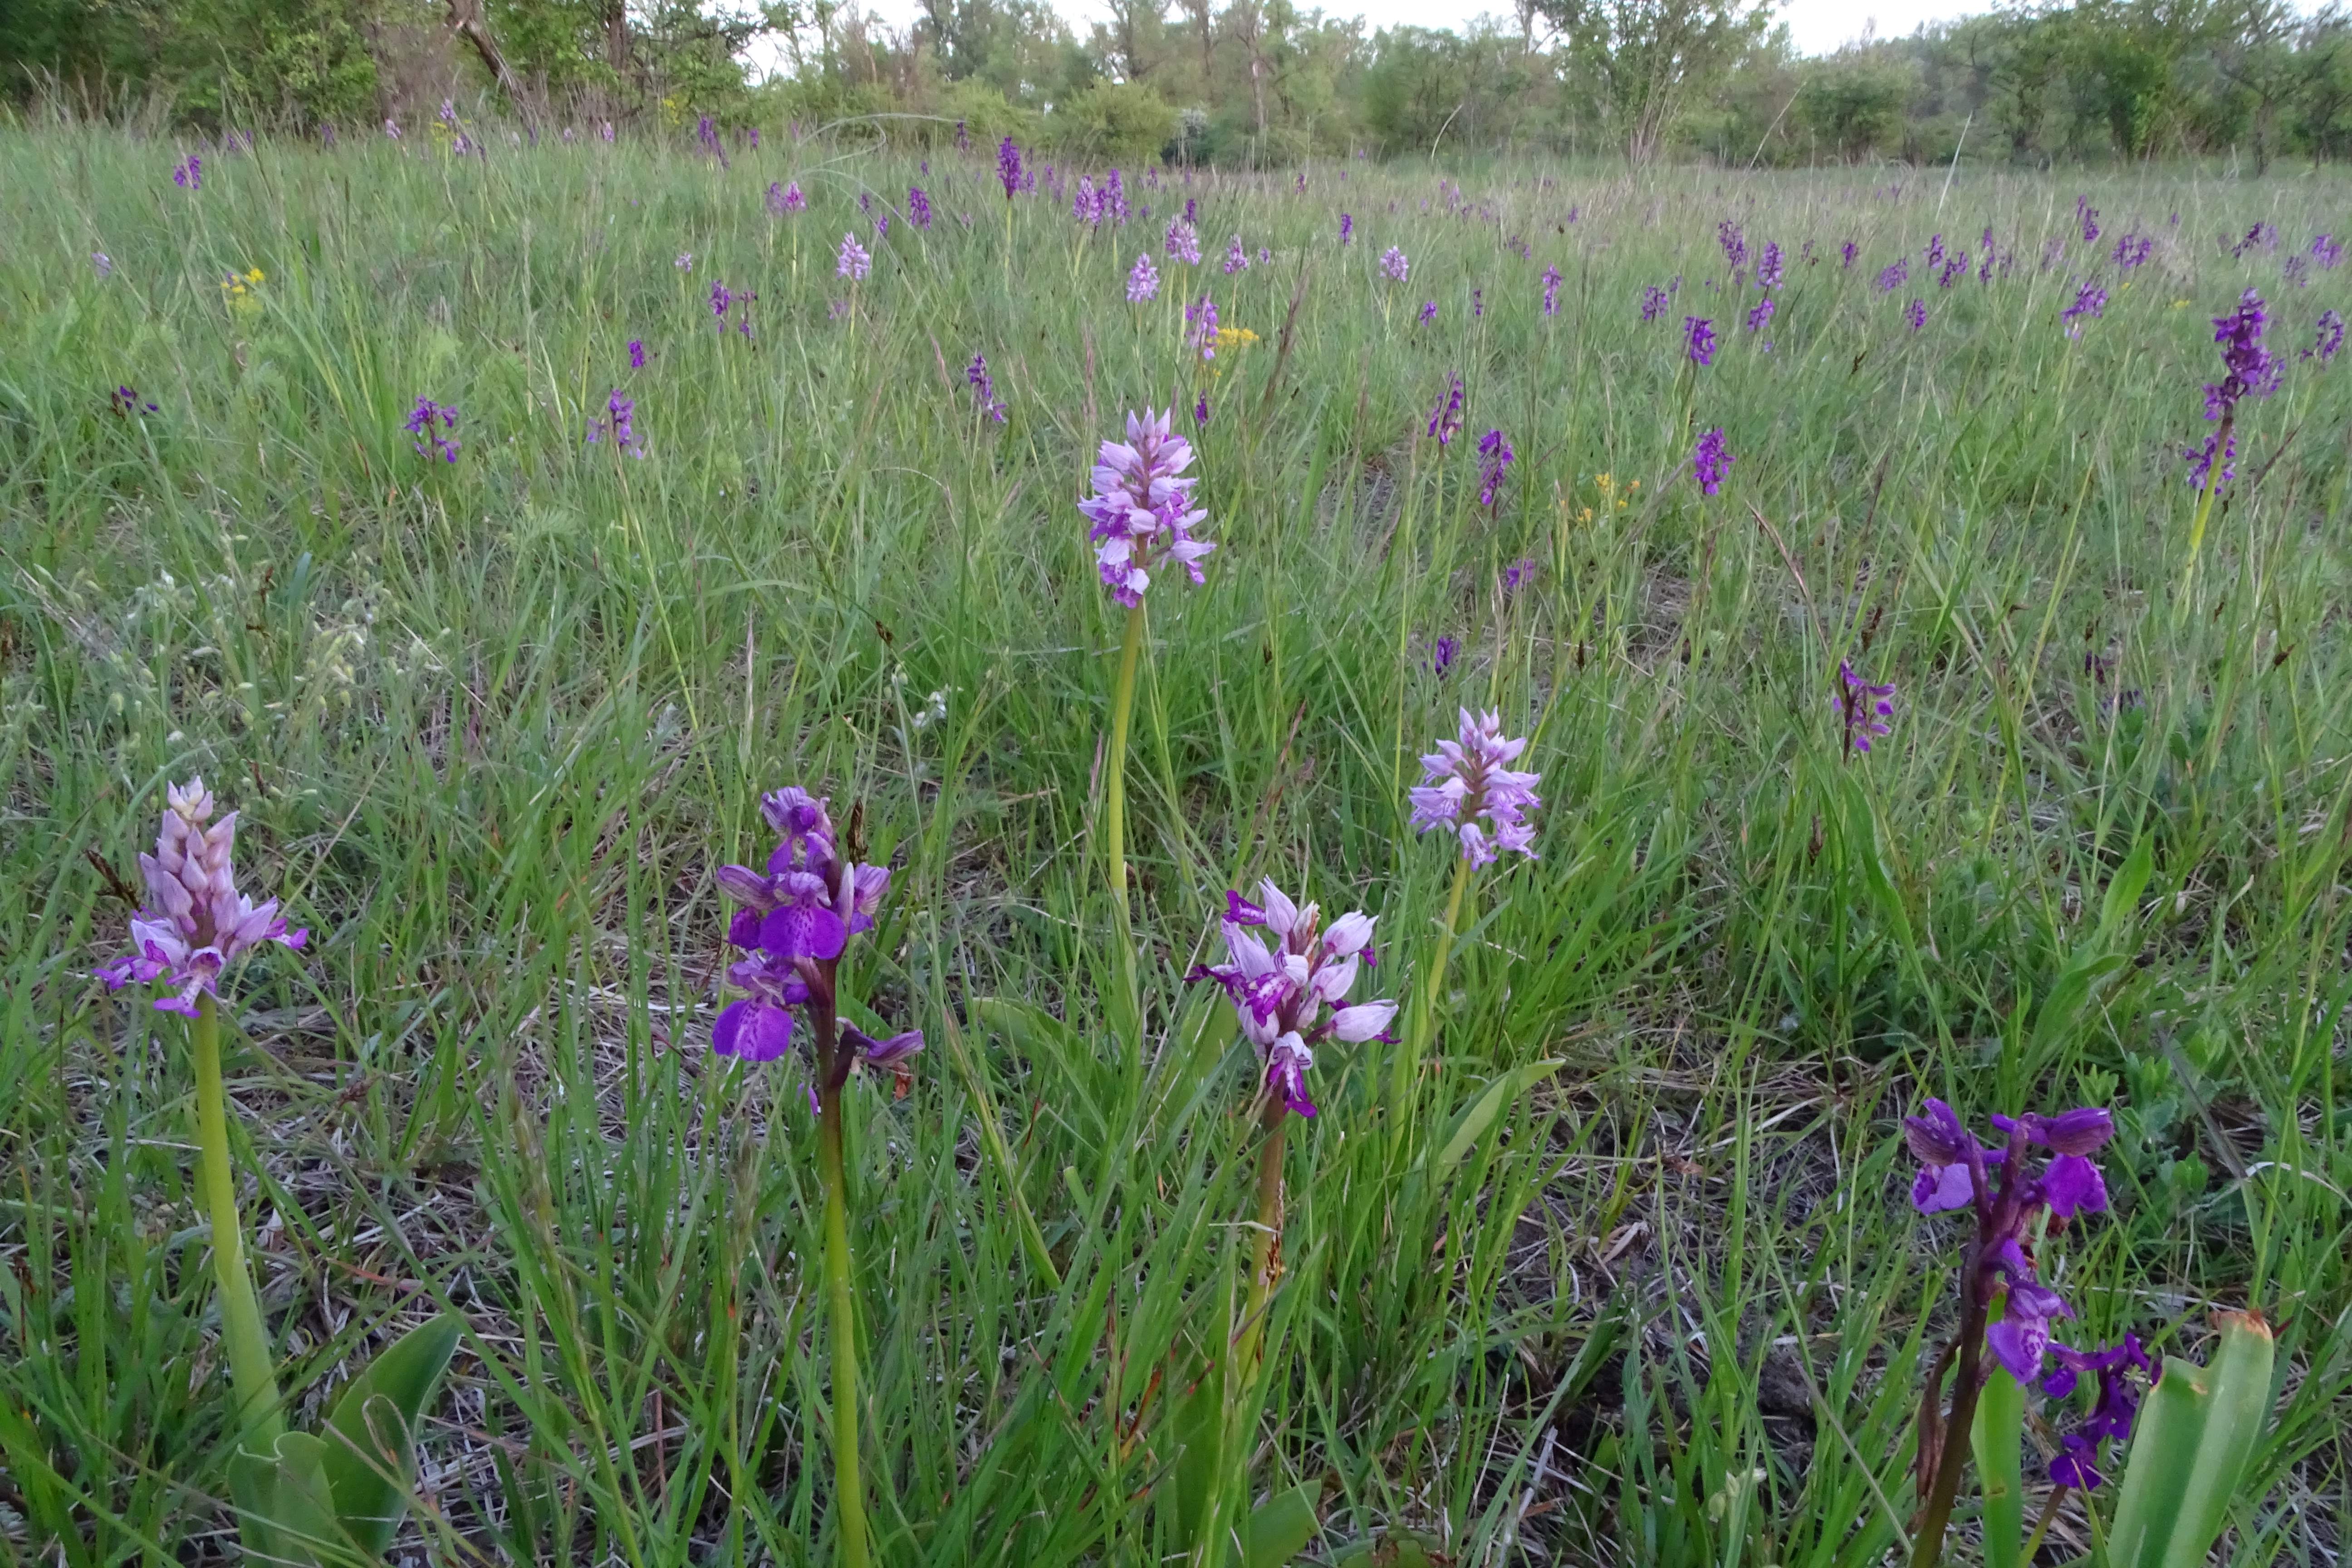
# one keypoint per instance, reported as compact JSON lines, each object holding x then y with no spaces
{"x":1622,"y":1271}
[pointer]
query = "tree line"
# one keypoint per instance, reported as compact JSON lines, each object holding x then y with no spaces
{"x":1238,"y":82}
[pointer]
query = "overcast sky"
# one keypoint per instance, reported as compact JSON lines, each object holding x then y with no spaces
{"x":1818,"y":25}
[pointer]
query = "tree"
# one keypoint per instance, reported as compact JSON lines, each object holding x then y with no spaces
{"x":2256,"y":55}
{"x":1649,"y":57}
{"x":1853,"y":100}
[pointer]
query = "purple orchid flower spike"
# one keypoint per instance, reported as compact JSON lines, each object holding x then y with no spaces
{"x":796,"y":919}
{"x":1466,"y":778}
{"x":195,"y":924}
{"x":2076,"y":1462}
{"x":1142,"y":510}
{"x":2006,"y":1310}
{"x":1866,"y":707}
{"x":1280,"y":993}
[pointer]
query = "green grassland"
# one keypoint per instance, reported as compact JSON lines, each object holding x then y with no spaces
{"x":1624,"y":1272}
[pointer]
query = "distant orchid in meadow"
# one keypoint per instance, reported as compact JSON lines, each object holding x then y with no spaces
{"x":1915,"y":314}
{"x":1200,"y":413}
{"x":1466,"y":779}
{"x":1653,"y":302}
{"x":1142,"y":510}
{"x":2016,"y":1206}
{"x":1008,"y":167}
{"x":1280,"y":995}
{"x":1848,"y":252}
{"x":1760,"y":315}
{"x":101,"y":264}
{"x":2330,"y":337}
{"x":918,"y":207}
{"x":1182,"y":243}
{"x":618,"y":424}
{"x":2089,"y":217}
{"x":1894,"y":277}
{"x":1236,"y":258}
{"x":983,"y":388}
{"x":1445,"y":419}
{"x":1551,"y":291}
{"x":1393,"y":265}
{"x":1201,"y":327}
{"x":431,"y":423}
{"x":1698,"y":341}
{"x":1865,"y":706}
{"x":1347,"y":228}
{"x":2133,"y":250}
{"x":1142,"y":281}
{"x":854,"y":260}
{"x":637,"y":353}
{"x":1428,"y":312}
{"x":2328,"y":252}
{"x":1711,"y":462}
{"x":2090,"y":300}
{"x":189,"y":173}
{"x":195,"y":925}
{"x":1495,"y":456}
{"x":1769,"y":266}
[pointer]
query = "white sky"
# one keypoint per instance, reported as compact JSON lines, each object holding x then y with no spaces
{"x":1818,"y":27}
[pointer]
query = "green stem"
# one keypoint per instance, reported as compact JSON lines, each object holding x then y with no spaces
{"x":1122,"y":707}
{"x":849,"y":1493}
{"x":249,"y":1360}
{"x":1424,"y":1007}
{"x":2204,"y":512}
{"x":1128,"y":1022}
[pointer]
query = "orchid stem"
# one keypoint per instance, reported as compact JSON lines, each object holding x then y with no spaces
{"x":2204,"y":514}
{"x":1122,"y":709}
{"x":1936,"y":1509}
{"x":1265,"y":1241}
{"x":849,"y":1493}
{"x":249,"y":1360}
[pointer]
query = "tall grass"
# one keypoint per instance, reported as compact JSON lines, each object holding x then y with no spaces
{"x":1618,"y":1270}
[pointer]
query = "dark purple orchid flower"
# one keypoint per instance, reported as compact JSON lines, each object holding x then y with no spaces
{"x":2009,"y":1199}
{"x":797,"y":916}
{"x":2076,"y":1463}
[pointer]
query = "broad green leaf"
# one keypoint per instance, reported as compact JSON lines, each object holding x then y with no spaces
{"x":2189,"y":1450}
{"x":369,"y":1438}
{"x":302,"y":1513}
{"x":1480,"y":1114}
{"x":1199,"y":1430}
{"x":1280,"y":1529}
{"x":2237,"y":1407}
{"x":2130,"y":882}
{"x":1998,"y":1435}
